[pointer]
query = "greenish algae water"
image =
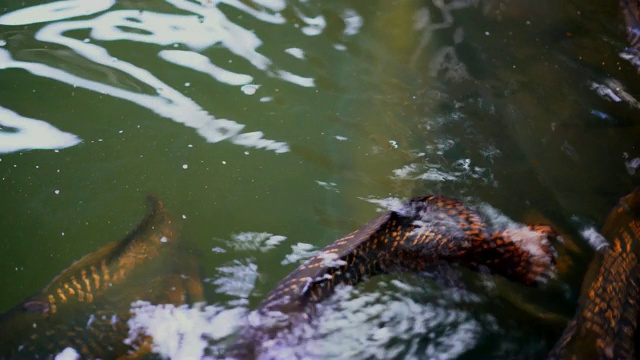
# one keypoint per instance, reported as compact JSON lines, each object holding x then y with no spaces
{"x":270,"y":128}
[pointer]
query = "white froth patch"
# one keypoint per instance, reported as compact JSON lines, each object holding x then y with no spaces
{"x":531,"y":241}
{"x":262,"y":241}
{"x":353,"y":22}
{"x":238,"y":279}
{"x":416,"y":172}
{"x":382,"y":325}
{"x":328,"y":185}
{"x":68,"y":354}
{"x":300,"y":251}
{"x":331,"y":260}
{"x":497,"y":219}
{"x":182,"y":332}
{"x":390,"y":203}
{"x":595,"y":239}
{"x":632,"y":165}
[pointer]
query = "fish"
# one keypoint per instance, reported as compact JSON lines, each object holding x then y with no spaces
{"x":87,"y":306}
{"x":425,"y":233}
{"x":606,"y":320}
{"x":436,"y":229}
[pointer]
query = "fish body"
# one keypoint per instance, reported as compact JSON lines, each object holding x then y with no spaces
{"x":86,"y":307}
{"x":605,"y":323}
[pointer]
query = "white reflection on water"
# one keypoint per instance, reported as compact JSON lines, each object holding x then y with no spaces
{"x":299,"y":253}
{"x":23,"y":133}
{"x":259,"y":241}
{"x":182,"y":332}
{"x":55,"y":11}
{"x":236,"y":280}
{"x":388,"y":324}
{"x":170,"y":103}
{"x":203,"y":27}
{"x":201,"y":63}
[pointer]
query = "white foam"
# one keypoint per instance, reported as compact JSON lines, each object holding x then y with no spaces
{"x":390,"y":203}
{"x":300,"y":251}
{"x":328,"y":185}
{"x":260,"y":241}
{"x":381,"y":325}
{"x":331,"y":260}
{"x":68,"y":354}
{"x":632,"y":165}
{"x":182,"y":332}
{"x":353,"y":22}
{"x":237,"y":280}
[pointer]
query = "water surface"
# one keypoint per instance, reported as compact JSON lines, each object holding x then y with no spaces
{"x":270,"y":128}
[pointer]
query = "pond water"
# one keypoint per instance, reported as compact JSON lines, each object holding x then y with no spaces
{"x":270,"y":128}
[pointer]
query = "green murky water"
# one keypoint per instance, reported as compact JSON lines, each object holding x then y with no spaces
{"x":268,"y":125}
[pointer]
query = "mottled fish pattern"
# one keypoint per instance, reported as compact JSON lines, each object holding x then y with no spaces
{"x":426,"y":232}
{"x":87,"y":306}
{"x":605,"y":323}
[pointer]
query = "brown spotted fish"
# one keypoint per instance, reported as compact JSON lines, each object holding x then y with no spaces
{"x":605,"y":324}
{"x":426,"y":232}
{"x":86,"y":307}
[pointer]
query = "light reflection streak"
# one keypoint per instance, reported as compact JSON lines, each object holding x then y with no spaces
{"x":161,"y":29}
{"x":26,"y":133}
{"x":201,"y":63}
{"x":170,"y":104}
{"x":58,"y":10}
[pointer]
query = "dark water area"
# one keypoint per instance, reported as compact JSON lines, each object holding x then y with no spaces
{"x":270,"y":128}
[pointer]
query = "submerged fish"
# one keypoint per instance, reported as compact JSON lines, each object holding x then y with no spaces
{"x":86,"y":307}
{"x":605,"y":323}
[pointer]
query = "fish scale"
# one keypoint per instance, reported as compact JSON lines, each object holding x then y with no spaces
{"x":606,"y":320}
